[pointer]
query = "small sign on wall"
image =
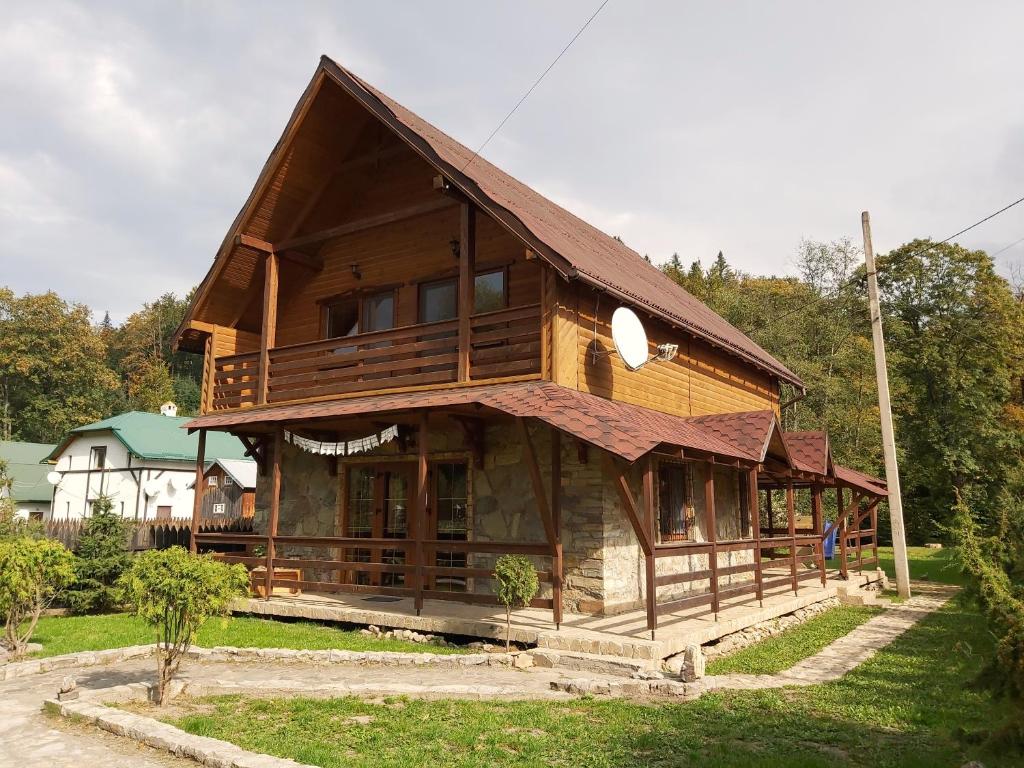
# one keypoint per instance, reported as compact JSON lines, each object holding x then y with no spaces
{"x":219,"y":509}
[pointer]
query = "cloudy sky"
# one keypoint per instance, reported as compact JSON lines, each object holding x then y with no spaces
{"x":132,"y":132}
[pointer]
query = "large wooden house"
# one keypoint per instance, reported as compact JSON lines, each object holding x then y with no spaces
{"x":416,"y":347}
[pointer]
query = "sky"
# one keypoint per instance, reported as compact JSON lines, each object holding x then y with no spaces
{"x":131,"y":133}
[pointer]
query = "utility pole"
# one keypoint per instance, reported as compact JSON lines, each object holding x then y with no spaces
{"x":892,"y":475}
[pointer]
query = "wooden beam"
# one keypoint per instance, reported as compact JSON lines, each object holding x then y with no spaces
{"x":197,"y":502}
{"x":269,"y":334}
{"x":650,"y":577}
{"x":533,"y":467}
{"x":369,"y":222}
{"x":711,"y":522}
{"x":275,"y":508}
{"x":314,"y":263}
{"x":467,"y":285}
{"x":254,"y":242}
{"x":556,"y":519}
{"x":791,"y":518}
{"x":628,"y":505}
{"x":422,"y":506}
{"x":755,"y":516}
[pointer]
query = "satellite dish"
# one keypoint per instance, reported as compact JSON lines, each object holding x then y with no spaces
{"x":630,"y":338}
{"x":53,"y":477}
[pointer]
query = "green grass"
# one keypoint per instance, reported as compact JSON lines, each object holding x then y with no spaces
{"x":783,"y":651}
{"x":68,"y":634}
{"x":903,"y":707}
{"x":935,"y":565}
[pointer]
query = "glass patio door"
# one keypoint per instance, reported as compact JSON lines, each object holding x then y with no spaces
{"x":378,"y":507}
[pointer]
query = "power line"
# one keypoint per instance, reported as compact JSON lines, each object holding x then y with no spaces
{"x":1007,"y":247}
{"x":535,"y":84}
{"x":852,"y":280}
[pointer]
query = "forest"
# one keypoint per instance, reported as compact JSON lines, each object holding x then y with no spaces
{"x":953,"y":330}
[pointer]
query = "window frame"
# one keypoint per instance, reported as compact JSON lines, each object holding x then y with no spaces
{"x":361,"y":305}
{"x":454,"y":280}
{"x":688,"y":515}
{"x":98,"y":457}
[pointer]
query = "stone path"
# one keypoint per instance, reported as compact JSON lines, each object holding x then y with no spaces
{"x":31,"y":739}
{"x":849,"y":651}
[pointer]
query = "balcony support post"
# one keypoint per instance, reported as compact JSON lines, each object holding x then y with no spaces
{"x":467,"y":285}
{"x":275,"y":509}
{"x":267,"y":337}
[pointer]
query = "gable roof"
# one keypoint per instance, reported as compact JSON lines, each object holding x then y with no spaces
{"x":754,"y":432}
{"x":572,"y":246}
{"x":26,"y":471}
{"x":156,"y":437}
{"x":809,"y":450}
{"x":242,"y":472}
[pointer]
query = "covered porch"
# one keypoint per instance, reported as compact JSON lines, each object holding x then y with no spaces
{"x":571,"y":480}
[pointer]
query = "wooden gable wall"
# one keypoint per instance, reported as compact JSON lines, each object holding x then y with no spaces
{"x":701,"y":380}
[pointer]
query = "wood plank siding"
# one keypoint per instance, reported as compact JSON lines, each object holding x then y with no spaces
{"x":701,"y":380}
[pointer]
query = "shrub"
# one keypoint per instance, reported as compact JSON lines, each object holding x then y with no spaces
{"x":10,"y":524}
{"x":175,"y":591}
{"x":32,"y":573}
{"x":102,"y":558}
{"x":996,"y":566}
{"x":516,"y":586}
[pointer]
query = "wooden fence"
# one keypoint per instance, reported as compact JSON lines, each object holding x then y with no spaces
{"x":151,"y":534}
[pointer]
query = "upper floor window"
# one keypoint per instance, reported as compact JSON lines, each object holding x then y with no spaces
{"x":347,"y":317}
{"x":98,"y":457}
{"x":439,"y":300}
{"x":675,"y":521}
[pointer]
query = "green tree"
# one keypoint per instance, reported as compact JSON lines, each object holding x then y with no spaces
{"x":101,"y":558}
{"x":32,"y":573}
{"x":516,"y":582}
{"x":954,"y":342}
{"x":148,"y":382}
{"x":175,"y":592}
{"x":53,"y":374}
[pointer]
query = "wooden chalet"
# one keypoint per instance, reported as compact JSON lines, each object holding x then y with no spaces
{"x":416,"y":348}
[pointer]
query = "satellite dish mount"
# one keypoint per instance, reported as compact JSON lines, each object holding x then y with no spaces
{"x":631,"y":343}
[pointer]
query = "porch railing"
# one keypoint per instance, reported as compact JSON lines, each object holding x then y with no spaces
{"x":502,"y":343}
{"x":411,"y":573}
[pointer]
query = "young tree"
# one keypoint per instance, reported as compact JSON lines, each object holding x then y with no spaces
{"x":516,"y":586}
{"x":175,"y":591}
{"x":32,"y":573}
{"x":10,"y":524}
{"x":102,"y":557}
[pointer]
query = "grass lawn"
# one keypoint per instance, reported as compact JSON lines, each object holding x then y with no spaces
{"x":67,"y":634}
{"x":901,"y":708}
{"x":930,"y":564}
{"x":783,"y":651}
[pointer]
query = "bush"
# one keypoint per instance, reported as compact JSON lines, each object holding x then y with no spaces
{"x":175,"y":592}
{"x":516,"y":586}
{"x":32,"y":573}
{"x":102,"y":558}
{"x":996,"y":566}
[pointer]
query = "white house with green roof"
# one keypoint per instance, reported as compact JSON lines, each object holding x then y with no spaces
{"x":29,"y":487}
{"x":145,"y":462}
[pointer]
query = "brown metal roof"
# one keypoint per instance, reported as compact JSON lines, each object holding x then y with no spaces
{"x":569,"y":243}
{"x":809,"y":451}
{"x":860,"y":480}
{"x":630,"y":431}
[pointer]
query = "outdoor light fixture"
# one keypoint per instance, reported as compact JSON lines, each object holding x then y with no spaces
{"x":356,"y":273}
{"x":454,"y":244}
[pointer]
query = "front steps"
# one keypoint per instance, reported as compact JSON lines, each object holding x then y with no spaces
{"x":601,"y":664}
{"x":862,"y":588}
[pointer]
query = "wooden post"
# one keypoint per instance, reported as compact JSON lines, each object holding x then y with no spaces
{"x":275,"y":509}
{"x":422,"y":507}
{"x":791,"y":516}
{"x":712,"y":534}
{"x":540,"y":496}
{"x":650,"y":569}
{"x":892,"y":474}
{"x":556,"y":519}
{"x":197,"y":502}
{"x":467,"y":286}
{"x":874,"y":537}
{"x":841,"y":529}
{"x":269,"y":334}
{"x":769,"y":512}
{"x":755,"y":515}
{"x":642,"y":532}
{"x":818,"y":523}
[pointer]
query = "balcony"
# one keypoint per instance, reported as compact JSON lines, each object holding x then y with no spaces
{"x":504,"y":343}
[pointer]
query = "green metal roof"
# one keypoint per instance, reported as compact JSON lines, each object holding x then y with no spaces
{"x":159,"y":437}
{"x":23,"y":465}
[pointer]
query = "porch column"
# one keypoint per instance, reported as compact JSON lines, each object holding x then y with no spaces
{"x":841,"y":527}
{"x":791,"y":519}
{"x":197,"y":502}
{"x":275,"y":508}
{"x":269,"y":333}
{"x":755,"y":515}
{"x":768,"y":512}
{"x":651,"y":521}
{"x":556,"y":520}
{"x":643,"y":533}
{"x":818,"y":523}
{"x":467,"y":285}
{"x":540,"y":496}
{"x":422,"y":508}
{"x":711,"y":524}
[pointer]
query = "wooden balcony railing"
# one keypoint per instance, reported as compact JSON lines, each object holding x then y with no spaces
{"x":503,"y":343}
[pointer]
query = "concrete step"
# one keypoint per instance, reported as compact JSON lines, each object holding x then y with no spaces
{"x":577,"y":661}
{"x":855,"y":594}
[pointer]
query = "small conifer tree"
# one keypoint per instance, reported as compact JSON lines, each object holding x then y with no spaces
{"x":516,"y":585}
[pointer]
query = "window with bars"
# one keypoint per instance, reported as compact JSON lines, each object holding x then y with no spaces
{"x":675,"y":505}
